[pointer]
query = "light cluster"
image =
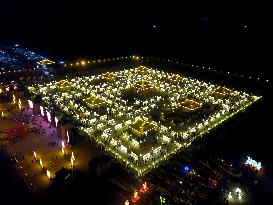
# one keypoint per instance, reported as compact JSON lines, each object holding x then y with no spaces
{"x":253,"y":164}
{"x":86,"y":62}
{"x":18,"y":57}
{"x":143,"y":115}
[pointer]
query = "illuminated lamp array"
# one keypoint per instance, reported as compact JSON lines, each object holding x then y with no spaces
{"x":85,"y":62}
{"x":48,"y":174}
{"x":190,"y":105}
{"x":120,"y":114}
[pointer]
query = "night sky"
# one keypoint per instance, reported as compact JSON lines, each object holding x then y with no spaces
{"x":223,"y":33}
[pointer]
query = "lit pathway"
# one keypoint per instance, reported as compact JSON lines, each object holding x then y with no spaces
{"x":30,"y":168}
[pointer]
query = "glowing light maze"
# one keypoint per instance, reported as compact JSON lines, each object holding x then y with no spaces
{"x":143,"y":115}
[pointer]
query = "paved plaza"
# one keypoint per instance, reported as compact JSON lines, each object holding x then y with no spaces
{"x":41,"y":138}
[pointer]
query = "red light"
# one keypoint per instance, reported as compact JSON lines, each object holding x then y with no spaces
{"x":214,"y":182}
{"x":135,"y":197}
{"x":144,"y":187}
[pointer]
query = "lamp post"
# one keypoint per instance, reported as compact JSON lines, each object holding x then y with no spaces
{"x":72,"y":161}
{"x":48,"y":174}
{"x":41,"y":163}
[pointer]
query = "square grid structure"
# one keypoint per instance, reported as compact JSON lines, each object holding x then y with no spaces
{"x":143,"y":115}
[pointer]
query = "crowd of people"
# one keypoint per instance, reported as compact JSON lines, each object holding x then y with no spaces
{"x":24,"y":123}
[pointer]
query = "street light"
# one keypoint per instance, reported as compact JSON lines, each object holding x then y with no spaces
{"x":68,"y":138}
{"x":34,"y":154}
{"x":30,"y":104}
{"x":56,"y":121}
{"x":41,"y":163}
{"x":135,"y":197}
{"x":48,"y":174}
{"x":13,"y":98}
{"x":72,"y":159}
{"x":144,"y":187}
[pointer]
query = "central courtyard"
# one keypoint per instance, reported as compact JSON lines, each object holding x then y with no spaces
{"x":143,"y":115}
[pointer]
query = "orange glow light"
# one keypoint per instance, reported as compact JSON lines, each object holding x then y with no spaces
{"x":41,"y":163}
{"x":135,"y":197}
{"x":144,"y":187}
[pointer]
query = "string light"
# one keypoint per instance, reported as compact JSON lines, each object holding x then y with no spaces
{"x":107,"y":90}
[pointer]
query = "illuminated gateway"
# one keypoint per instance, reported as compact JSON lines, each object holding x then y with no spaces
{"x":143,"y":115}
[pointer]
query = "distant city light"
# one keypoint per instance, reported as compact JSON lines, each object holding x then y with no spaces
{"x":134,"y":119}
